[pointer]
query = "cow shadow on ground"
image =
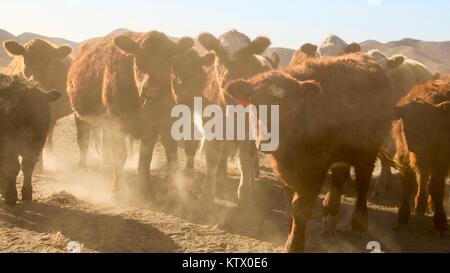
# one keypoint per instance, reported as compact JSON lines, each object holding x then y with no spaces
{"x":98,"y":232}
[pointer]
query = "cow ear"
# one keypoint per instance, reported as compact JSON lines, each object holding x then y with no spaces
{"x":258,"y":46}
{"x":309,"y":49}
{"x":436,"y":76}
{"x":127,"y":45}
{"x":275,"y":60}
{"x":208,"y":59}
{"x":63,"y":51}
{"x":211,"y":43}
{"x":52,"y":96}
{"x":239,"y":90}
{"x":395,"y":62}
{"x":353,"y":48}
{"x":184,"y":45}
{"x":14,"y":48}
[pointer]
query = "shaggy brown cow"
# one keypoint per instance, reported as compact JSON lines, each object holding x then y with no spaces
{"x":189,"y":81}
{"x":237,"y":58}
{"x":422,"y":136}
{"x":48,"y":65}
{"x":24,"y":124}
{"x":123,"y":85}
{"x":343,"y":119}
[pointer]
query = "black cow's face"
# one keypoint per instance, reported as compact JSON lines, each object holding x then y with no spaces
{"x":40,"y":59}
{"x":153,"y":55}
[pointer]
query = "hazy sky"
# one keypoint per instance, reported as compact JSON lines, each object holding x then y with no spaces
{"x":288,"y":23}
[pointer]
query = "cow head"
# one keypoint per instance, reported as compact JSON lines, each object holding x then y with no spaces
{"x":40,"y":59}
{"x":189,"y":74}
{"x":153,"y":54}
{"x":332,"y":45}
{"x":387,"y":63}
{"x":424,"y":123}
{"x":24,"y":103}
{"x":238,"y":56}
{"x":271,"y":88}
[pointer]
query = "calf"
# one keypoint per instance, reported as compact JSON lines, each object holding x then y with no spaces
{"x":422,"y":136}
{"x":238,"y":57}
{"x":46,"y":64}
{"x":189,"y":80}
{"x":25,"y":121}
{"x":343,"y":118}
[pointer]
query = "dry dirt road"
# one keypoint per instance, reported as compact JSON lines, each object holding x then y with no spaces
{"x":74,"y":205}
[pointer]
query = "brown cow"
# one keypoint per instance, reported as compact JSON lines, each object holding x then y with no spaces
{"x":24,"y":124}
{"x":189,"y":80}
{"x":123,"y":85}
{"x":237,"y":58}
{"x":48,"y":65}
{"x":422,"y":136}
{"x":343,"y":119}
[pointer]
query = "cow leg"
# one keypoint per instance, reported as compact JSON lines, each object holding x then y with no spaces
{"x":332,"y":202}
{"x":50,"y":136}
{"x":422,"y":177}
{"x":190,"y":148}
{"x":222,"y":170}
{"x":11,"y":171}
{"x":302,"y":208}
{"x":130,"y":147}
{"x":145,"y":157}
{"x":247,"y":154}
{"x":84,"y":130}
{"x":170,"y":147}
{"x":408,"y":179}
{"x":437,"y":192}
{"x":28,"y":164}
{"x":363,"y":172}
{"x":214,"y":153}
{"x":115,"y":143}
{"x":257,"y":165}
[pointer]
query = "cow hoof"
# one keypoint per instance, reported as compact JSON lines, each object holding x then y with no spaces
{"x":27,"y":193}
{"x":360,"y":222}
{"x":11,"y":198}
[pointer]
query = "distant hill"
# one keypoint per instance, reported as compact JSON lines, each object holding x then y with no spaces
{"x":435,"y":55}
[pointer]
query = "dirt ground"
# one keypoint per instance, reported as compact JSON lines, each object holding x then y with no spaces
{"x":75,"y":205}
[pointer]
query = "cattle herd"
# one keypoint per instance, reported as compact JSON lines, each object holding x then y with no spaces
{"x":339,"y":108}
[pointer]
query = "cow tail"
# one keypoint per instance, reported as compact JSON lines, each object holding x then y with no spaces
{"x":386,"y":158}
